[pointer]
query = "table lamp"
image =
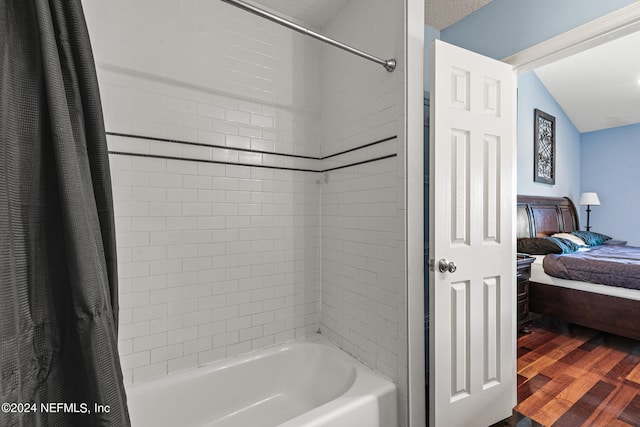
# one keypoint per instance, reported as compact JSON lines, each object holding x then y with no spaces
{"x":589,"y":199}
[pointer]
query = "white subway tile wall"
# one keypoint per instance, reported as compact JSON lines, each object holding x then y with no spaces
{"x":224,"y":264}
{"x":214,"y":259}
{"x":221,"y":259}
{"x":220,"y":271}
{"x":363,"y":249}
{"x":360,"y":255}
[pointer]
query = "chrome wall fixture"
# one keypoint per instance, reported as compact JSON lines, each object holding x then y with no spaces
{"x":388,"y":64}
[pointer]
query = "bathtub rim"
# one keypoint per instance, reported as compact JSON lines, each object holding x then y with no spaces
{"x":216,"y":365}
{"x":368,"y":386}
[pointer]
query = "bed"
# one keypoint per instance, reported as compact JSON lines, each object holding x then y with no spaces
{"x":610,"y":309}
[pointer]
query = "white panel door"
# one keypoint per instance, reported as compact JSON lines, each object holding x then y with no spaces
{"x":472,"y":374}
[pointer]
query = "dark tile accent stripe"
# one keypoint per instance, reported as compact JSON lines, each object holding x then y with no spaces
{"x":359,"y":147}
{"x":154,"y":156}
{"x":220,"y":162}
{"x":200,"y":144}
{"x":360,"y":163}
{"x":249,"y":150}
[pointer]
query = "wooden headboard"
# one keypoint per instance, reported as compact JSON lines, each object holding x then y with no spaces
{"x":542,"y":216}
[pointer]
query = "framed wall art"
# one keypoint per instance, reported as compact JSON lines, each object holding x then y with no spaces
{"x":544,"y":147}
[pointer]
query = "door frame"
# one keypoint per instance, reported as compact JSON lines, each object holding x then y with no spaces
{"x":414,"y":216}
{"x":616,"y":24}
{"x":609,"y":27}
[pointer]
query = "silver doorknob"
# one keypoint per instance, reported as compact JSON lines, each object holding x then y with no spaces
{"x":444,"y":266}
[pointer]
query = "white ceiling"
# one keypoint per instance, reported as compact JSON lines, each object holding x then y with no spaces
{"x":315,"y":13}
{"x":440,"y":14}
{"x":598,"y":88}
{"x":312,"y":13}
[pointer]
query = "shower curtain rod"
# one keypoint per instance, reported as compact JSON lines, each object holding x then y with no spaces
{"x":388,"y":64}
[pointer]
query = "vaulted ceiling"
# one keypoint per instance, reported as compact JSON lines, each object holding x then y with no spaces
{"x":600,"y":87}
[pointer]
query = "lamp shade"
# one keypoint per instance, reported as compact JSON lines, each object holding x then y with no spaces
{"x":589,"y":199}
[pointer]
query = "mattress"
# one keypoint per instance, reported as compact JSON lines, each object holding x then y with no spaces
{"x":538,"y":275}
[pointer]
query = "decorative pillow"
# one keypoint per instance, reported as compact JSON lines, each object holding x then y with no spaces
{"x":592,"y":239}
{"x":546,"y":245}
{"x":575,"y":239}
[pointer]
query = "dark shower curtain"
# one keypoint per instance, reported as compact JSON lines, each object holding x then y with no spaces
{"x":58,"y":279}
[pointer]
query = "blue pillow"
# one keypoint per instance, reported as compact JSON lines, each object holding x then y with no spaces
{"x":567,"y":246}
{"x":591,"y":238}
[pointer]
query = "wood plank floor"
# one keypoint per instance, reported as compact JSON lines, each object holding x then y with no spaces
{"x":570,"y":376}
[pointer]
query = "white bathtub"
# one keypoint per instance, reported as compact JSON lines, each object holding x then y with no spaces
{"x":306,"y":382}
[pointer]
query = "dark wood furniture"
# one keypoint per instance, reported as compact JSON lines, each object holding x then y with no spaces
{"x":541,"y":216}
{"x":523,"y":273}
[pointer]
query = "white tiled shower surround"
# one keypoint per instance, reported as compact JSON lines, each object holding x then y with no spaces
{"x":219,"y":255}
{"x":363,"y":296}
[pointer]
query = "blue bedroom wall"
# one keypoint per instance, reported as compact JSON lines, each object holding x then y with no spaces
{"x":533,"y":94}
{"x":610,"y":168}
{"x":504,"y":27}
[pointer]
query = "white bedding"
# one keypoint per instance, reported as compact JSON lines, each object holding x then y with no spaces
{"x":538,"y":275}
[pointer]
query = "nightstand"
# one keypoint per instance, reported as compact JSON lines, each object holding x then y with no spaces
{"x":523,"y":273}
